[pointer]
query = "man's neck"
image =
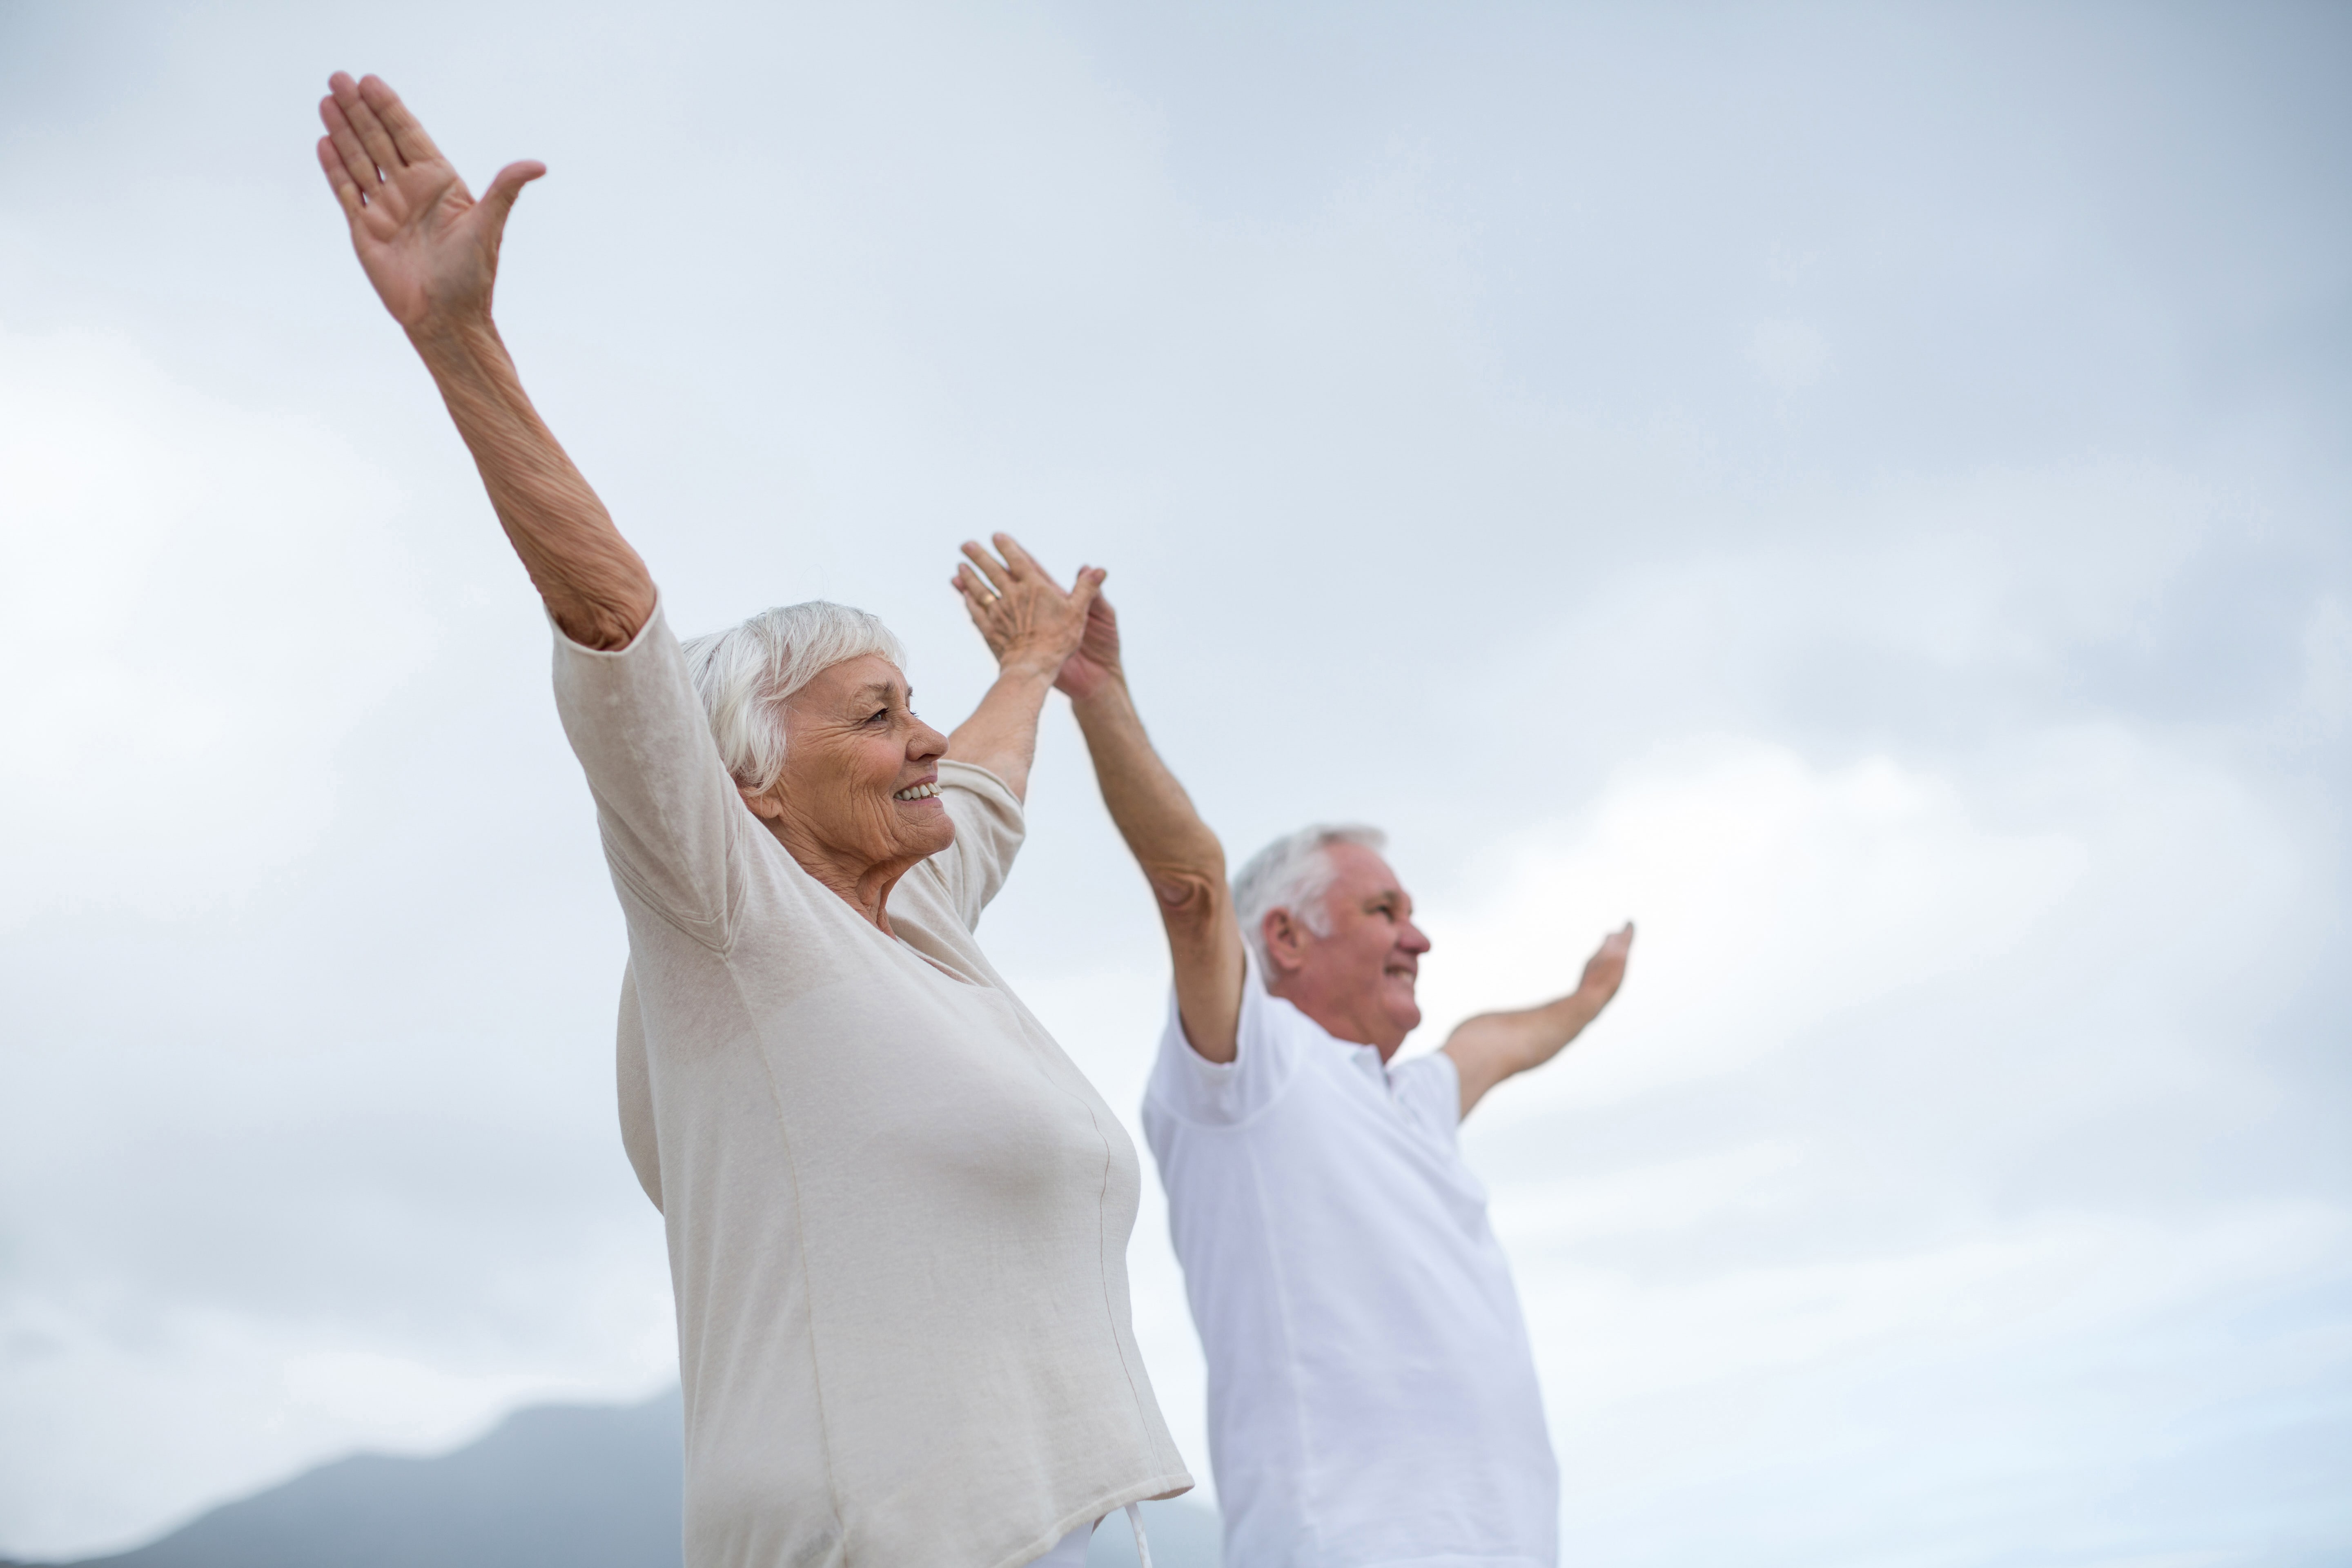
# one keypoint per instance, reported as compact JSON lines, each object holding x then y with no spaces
{"x":1333,"y":1021}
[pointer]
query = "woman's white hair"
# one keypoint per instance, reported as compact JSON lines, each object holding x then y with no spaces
{"x":1295,"y":872}
{"x":744,"y":673}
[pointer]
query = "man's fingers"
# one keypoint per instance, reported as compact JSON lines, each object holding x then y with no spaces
{"x":998,"y":578}
{"x":1089,"y":583}
{"x":371,"y":134}
{"x":408,"y":136}
{"x":340,"y":179}
{"x":356,"y":162}
{"x":499,"y":199}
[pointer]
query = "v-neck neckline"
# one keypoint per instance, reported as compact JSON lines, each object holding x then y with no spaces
{"x":891,"y":938}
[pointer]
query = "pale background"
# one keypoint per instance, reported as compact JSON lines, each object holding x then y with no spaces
{"x":1861,"y":490}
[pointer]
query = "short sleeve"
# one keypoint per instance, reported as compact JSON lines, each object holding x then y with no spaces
{"x":989,"y":829}
{"x":668,"y":810}
{"x":1267,"y":1048}
{"x":1429,"y":1088}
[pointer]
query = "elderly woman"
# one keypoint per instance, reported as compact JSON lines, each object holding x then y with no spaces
{"x":897,"y":1215}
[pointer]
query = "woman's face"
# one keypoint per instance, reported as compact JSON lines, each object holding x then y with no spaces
{"x":859,"y":795}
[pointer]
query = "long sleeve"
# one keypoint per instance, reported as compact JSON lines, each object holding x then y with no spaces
{"x":670,"y":815}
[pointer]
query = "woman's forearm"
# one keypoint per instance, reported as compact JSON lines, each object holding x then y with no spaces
{"x":1002,"y":733}
{"x":596,"y":588}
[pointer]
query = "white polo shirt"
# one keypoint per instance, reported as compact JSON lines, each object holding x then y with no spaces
{"x":1373,"y":1399}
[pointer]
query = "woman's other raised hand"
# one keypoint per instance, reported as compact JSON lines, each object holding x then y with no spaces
{"x":429,"y":247}
{"x":1026,"y":618}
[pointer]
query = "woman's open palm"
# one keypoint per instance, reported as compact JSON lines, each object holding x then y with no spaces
{"x":1019,"y":609}
{"x":429,"y":247}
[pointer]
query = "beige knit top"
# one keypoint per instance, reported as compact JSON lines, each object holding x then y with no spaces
{"x":897,"y":1215}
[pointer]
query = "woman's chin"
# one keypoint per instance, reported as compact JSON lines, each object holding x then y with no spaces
{"x":929,"y":831}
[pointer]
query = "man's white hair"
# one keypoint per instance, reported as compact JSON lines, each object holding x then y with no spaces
{"x":744,"y":673}
{"x":1295,"y":872}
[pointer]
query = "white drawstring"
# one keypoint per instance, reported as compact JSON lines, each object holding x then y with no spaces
{"x":1142,"y":1547}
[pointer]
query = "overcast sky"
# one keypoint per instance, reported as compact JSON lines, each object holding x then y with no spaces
{"x":1864,"y":492}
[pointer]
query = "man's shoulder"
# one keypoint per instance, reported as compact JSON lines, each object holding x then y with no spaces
{"x":1270,"y":1038}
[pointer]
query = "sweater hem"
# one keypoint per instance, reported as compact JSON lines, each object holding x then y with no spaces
{"x":1165,"y":1486}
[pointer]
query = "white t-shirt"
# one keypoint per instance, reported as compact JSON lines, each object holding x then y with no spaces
{"x":1373,"y":1398}
{"x":898,"y":1214}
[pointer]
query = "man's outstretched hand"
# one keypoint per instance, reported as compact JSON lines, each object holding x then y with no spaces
{"x":1492,"y":1046}
{"x":429,"y":247}
{"x":1605,"y":969}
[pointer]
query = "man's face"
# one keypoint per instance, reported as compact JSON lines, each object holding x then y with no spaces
{"x":1357,"y":981}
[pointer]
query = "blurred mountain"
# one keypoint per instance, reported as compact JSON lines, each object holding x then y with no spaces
{"x":553,"y":1487}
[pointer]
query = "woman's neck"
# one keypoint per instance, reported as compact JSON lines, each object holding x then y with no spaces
{"x":864,"y":885}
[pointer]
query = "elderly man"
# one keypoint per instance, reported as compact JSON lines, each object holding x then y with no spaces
{"x":1371,"y":1394}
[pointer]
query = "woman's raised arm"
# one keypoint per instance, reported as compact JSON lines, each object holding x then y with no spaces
{"x":432,"y":252}
{"x":1031,"y":627}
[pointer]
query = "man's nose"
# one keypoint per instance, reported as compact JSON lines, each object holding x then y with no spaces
{"x":1413,"y":940}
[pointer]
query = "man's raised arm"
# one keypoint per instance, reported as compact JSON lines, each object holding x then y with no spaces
{"x":1492,"y":1046}
{"x":1180,"y":856}
{"x":432,"y":252}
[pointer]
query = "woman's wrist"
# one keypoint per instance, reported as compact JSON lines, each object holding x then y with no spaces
{"x":452,"y":343}
{"x":1028,"y":664}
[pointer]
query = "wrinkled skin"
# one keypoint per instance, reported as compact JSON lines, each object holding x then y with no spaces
{"x":852,"y":743}
{"x":1358,"y":980}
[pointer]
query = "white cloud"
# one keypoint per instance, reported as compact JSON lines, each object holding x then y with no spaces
{"x":1393,"y":383}
{"x":212,"y":598}
{"x":1768,"y":896}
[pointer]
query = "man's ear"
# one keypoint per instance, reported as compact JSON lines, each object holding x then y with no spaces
{"x":1286,"y":941}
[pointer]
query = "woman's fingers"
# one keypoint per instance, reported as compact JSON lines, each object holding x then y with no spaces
{"x":499,"y":199}
{"x":340,"y":179}
{"x":1019,"y":561}
{"x":981,"y":606}
{"x":982,"y":599}
{"x":356,"y":162}
{"x":407,"y":135}
{"x":998,"y":578}
{"x":372,"y":134}
{"x":1083,"y":592}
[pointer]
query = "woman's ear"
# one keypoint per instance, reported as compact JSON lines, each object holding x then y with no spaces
{"x":764,"y":806}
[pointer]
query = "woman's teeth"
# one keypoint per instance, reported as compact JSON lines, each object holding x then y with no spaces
{"x":917,"y":792}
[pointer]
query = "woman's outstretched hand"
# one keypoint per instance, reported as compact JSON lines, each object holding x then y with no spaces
{"x":429,"y":247}
{"x":1026,"y":618}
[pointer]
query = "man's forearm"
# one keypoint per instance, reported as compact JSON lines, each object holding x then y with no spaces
{"x":1153,"y":814}
{"x":1182,"y":861}
{"x":1536,"y":1035}
{"x":596,"y":586}
{"x":1492,"y":1046}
